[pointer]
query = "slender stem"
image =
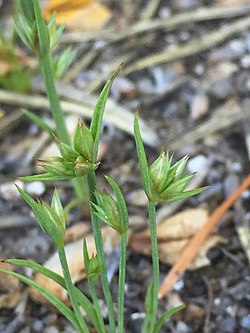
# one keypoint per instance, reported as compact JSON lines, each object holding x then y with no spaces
{"x":146,"y":324}
{"x":80,"y":185}
{"x":155,"y":262}
{"x":99,"y":247}
{"x":121,"y":283}
{"x":61,"y":129}
{"x":97,"y":307}
{"x":71,"y":290}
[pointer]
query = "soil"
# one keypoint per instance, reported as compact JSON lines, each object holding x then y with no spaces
{"x":179,"y":100}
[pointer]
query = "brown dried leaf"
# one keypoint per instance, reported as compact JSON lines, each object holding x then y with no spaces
{"x":173,"y":235}
{"x":10,"y":293}
{"x":78,"y":14}
{"x":74,"y":252}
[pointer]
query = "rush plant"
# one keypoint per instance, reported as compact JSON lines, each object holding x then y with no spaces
{"x":163,"y":181}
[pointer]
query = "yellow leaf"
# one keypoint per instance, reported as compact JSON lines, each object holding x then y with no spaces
{"x":173,"y":234}
{"x":78,"y":14}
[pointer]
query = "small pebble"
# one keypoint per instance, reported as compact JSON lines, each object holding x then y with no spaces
{"x":181,"y":327}
{"x":221,"y":88}
{"x":37,"y":326}
{"x":242,"y":82}
{"x":245,"y":195}
{"x":164,"y":12}
{"x":245,"y":322}
{"x":51,"y":329}
{"x":228,"y":325}
{"x":199,"y":69}
{"x":247,"y":41}
{"x":237,"y":46}
{"x":9,"y":191}
{"x":179,"y":285}
{"x":245,"y":61}
{"x":199,"y":106}
{"x":185,"y":4}
{"x":197,"y":164}
{"x":36,"y":188}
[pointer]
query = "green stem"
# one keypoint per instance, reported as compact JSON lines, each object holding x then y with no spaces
{"x":61,"y":129}
{"x":121,"y":283}
{"x":97,"y":307}
{"x":71,"y":290}
{"x":101,"y":256}
{"x":155,"y":262}
{"x":146,"y":324}
{"x":80,"y":186}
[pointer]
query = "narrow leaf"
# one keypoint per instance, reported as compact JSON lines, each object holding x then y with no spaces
{"x":122,"y":207}
{"x":31,"y":202}
{"x":43,"y":32}
{"x":27,"y":10}
{"x":39,"y":121}
{"x":56,"y":302}
{"x":44,"y":176}
{"x":23,"y":37}
{"x":82,"y":299}
{"x":96,"y":122}
{"x":166,"y":315}
{"x":142,"y":157}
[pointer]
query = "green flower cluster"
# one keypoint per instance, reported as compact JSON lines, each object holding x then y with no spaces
{"x":50,"y":218}
{"x":168,"y":183}
{"x":75,"y":161}
{"x":107,"y":210}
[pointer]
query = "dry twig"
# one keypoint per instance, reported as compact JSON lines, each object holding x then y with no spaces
{"x":193,"y":246}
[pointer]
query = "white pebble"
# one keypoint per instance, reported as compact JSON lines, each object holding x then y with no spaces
{"x":245,"y":61}
{"x":35,"y":188}
{"x":9,"y":191}
{"x":197,"y":164}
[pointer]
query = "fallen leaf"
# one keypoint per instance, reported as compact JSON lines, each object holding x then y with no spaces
{"x":78,"y":14}
{"x":173,"y":234}
{"x":10,"y":293}
{"x":76,"y":232}
{"x":74,"y":255}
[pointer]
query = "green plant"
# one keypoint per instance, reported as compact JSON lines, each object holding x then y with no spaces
{"x":162,"y":182}
{"x":41,"y":39}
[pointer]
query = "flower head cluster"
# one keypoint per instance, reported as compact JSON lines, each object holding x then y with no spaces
{"x":107,"y":210}
{"x":50,"y":218}
{"x":168,"y":182}
{"x":75,"y":161}
{"x":40,"y":37}
{"x":91,"y":264}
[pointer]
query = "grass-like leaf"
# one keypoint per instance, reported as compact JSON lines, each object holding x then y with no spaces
{"x":56,"y":302}
{"x":96,"y":122}
{"x":27,"y":10}
{"x":39,"y":121}
{"x":23,"y":36}
{"x":82,"y":299}
{"x":142,"y":157}
{"x":166,"y":315}
{"x":122,"y":207}
{"x":43,"y":32}
{"x":44,"y":177}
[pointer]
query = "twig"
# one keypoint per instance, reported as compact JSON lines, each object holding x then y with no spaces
{"x":193,"y":246}
{"x":150,"y":10}
{"x":202,"y":14}
{"x":116,"y":114}
{"x":193,"y":47}
{"x":225,"y":116}
{"x":206,"y":328}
